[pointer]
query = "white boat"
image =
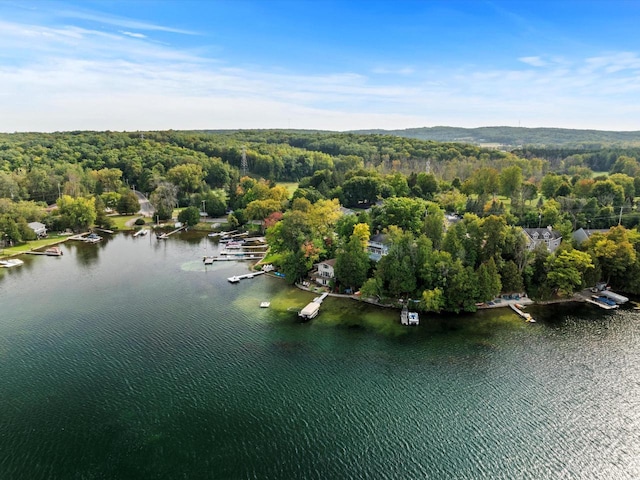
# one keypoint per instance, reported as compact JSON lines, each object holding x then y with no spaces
{"x":617,"y":298}
{"x":409,"y":318}
{"x":265,"y":304}
{"x":92,"y":238}
{"x":11,"y":262}
{"x":141,"y":233}
{"x":234,"y":279}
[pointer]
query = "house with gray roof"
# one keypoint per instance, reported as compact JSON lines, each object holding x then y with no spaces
{"x":39,"y":228}
{"x":378,"y":246}
{"x":548,"y":236}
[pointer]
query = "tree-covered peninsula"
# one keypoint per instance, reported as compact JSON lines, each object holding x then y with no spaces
{"x":450,"y":225}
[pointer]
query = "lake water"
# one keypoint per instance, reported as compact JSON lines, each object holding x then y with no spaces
{"x":130,"y":360}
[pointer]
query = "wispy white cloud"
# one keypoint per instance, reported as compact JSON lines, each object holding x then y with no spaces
{"x":133,"y":34}
{"x":613,"y":62}
{"x":394,"y":71}
{"x":116,"y":21}
{"x":533,"y":61}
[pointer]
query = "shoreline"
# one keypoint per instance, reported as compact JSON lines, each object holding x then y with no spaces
{"x":578,"y":297}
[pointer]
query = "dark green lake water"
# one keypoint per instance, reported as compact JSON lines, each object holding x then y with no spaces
{"x":129,"y":360}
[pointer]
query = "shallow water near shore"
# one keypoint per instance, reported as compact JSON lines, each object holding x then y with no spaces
{"x":131,"y":359}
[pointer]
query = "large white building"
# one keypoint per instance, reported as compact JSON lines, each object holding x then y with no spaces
{"x":548,"y":236}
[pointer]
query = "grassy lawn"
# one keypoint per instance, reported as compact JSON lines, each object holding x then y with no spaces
{"x":33,"y":245}
{"x":119,"y":221}
{"x":290,"y":186}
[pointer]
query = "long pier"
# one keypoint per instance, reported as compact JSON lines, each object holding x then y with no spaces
{"x":237,"y":278}
{"x":208,"y":260}
{"x":164,"y":236}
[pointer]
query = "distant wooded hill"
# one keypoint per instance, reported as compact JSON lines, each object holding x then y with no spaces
{"x":511,"y":137}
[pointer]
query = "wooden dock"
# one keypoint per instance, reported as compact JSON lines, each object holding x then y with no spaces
{"x":525,"y":315}
{"x":231,"y":238}
{"x":209,"y":259}
{"x":220,"y":234}
{"x":237,"y":278}
{"x":164,"y":236}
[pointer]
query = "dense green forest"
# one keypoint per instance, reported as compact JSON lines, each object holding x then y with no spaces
{"x":452,"y":213}
{"x":519,"y":136}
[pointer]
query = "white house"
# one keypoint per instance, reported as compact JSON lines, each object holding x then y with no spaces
{"x":325,"y":272}
{"x":377,"y":246}
{"x":548,"y":236}
{"x":39,"y":228}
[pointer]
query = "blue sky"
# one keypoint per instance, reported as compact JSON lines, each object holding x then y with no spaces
{"x":334,"y":65}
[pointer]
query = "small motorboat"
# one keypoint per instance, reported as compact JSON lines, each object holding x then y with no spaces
{"x":11,"y":262}
{"x":53,"y":252}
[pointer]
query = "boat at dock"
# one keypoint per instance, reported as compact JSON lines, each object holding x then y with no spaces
{"x":11,"y":262}
{"x":615,"y":297}
{"x":92,"y":238}
{"x":141,"y":233}
{"x":602,"y":302}
{"x":409,"y":318}
{"x":53,"y":252}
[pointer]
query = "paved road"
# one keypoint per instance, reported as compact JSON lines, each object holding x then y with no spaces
{"x":145,"y":206}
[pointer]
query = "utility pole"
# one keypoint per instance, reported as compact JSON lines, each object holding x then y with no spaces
{"x":620,"y":217}
{"x":243,"y":163}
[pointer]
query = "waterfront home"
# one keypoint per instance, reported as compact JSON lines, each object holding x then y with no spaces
{"x":581,"y":235}
{"x":548,"y":236}
{"x":378,"y":246}
{"x":40,"y":229}
{"x":325,"y":273}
